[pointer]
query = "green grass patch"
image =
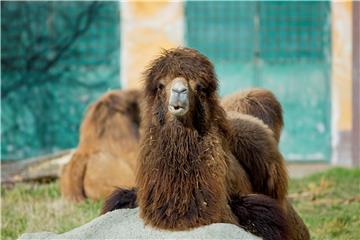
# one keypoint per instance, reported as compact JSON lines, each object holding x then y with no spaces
{"x":329,"y":203}
{"x":39,"y":207}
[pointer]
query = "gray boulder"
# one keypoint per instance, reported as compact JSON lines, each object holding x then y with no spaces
{"x":126,"y":224}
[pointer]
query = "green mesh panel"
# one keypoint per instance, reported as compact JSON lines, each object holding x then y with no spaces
{"x":57,"y":57}
{"x":293,"y":31}
{"x":221,"y":29}
{"x":282,"y":46}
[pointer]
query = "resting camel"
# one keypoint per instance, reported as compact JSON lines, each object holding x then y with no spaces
{"x":196,"y":161}
{"x":108,"y":148}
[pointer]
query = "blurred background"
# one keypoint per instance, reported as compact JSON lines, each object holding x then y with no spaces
{"x":57,"y":57}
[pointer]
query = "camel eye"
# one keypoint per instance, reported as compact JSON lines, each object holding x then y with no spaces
{"x":200,"y":88}
{"x":161,"y":86}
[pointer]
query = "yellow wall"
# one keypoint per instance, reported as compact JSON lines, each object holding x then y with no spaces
{"x":146,"y":28}
{"x":342,"y":65}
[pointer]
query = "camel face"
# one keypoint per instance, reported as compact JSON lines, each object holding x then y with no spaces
{"x":178,"y":100}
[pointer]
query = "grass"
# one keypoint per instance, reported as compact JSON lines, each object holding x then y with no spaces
{"x":39,"y":207}
{"x":329,"y":203}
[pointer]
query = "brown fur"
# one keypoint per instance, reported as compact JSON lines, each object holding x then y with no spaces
{"x":187,"y":172}
{"x":188,"y":175}
{"x":253,"y":144}
{"x":107,"y":152}
{"x":260,"y":103}
{"x":182,"y":163}
{"x":254,"y":115}
{"x":262,"y":212}
{"x":121,"y":198}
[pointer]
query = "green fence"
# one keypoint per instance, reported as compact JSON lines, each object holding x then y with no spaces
{"x":282,"y":46}
{"x":56,"y":58}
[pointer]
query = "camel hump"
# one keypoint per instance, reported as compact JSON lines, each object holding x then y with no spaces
{"x":260,"y":103}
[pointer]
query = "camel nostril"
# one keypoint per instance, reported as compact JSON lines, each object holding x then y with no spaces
{"x":179,"y":87}
{"x":179,"y":91}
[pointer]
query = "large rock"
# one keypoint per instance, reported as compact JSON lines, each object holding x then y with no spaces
{"x":126,"y":224}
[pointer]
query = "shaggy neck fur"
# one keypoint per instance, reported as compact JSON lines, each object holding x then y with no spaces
{"x":182,"y":175}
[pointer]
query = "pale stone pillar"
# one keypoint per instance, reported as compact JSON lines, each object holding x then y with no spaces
{"x":146,"y":28}
{"x":341,"y":83}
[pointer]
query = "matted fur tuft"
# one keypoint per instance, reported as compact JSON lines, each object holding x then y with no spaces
{"x":261,"y":216}
{"x":120,"y":198}
{"x":185,"y":62}
{"x":253,"y":145}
